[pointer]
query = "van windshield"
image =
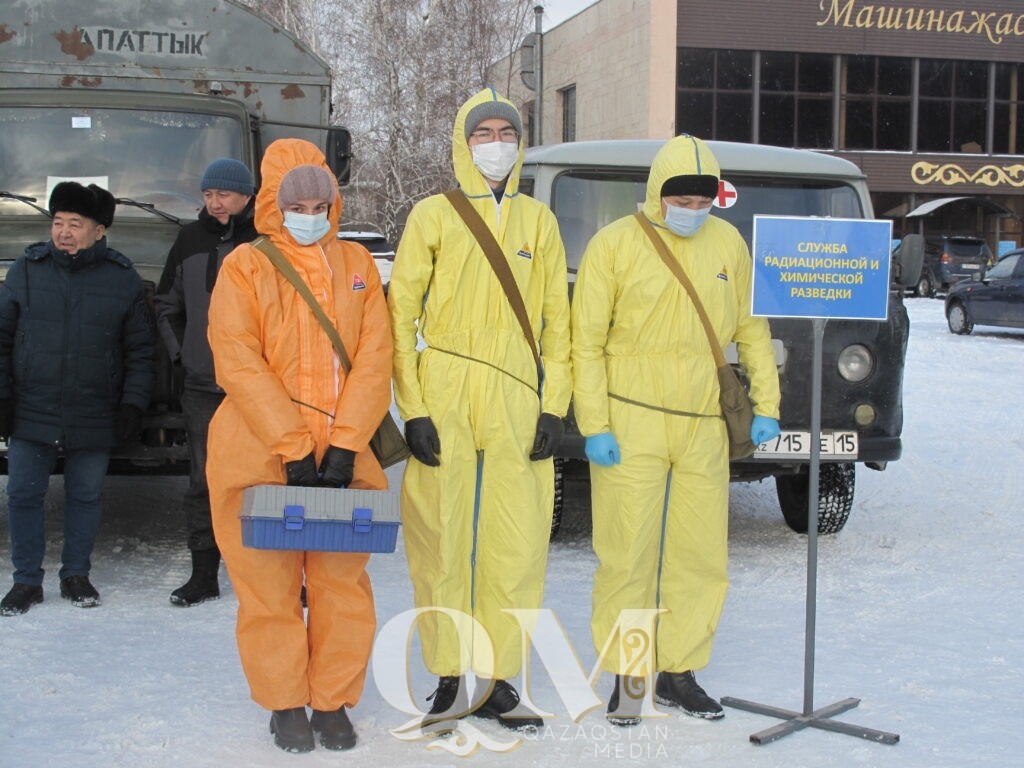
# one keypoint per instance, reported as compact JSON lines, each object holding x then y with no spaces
{"x":149,"y":156}
{"x":585,"y":201}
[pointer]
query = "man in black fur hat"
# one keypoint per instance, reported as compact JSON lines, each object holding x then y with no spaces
{"x":76,"y":373}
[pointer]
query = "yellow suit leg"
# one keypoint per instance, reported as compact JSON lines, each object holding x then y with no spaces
{"x":437,"y":517}
{"x":477,"y":559}
{"x":514,"y":526}
{"x":628,"y":502}
{"x":694,"y":578}
{"x":656,"y":552}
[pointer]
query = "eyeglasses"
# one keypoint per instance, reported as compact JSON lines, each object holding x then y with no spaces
{"x":484,"y":135}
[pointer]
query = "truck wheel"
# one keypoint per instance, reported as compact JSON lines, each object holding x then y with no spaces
{"x":924,"y":286}
{"x":835,"y":497}
{"x":556,"y":512}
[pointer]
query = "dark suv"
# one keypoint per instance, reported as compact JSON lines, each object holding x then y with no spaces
{"x":948,"y":259}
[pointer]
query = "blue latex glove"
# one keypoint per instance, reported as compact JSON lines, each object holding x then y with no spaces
{"x":763,"y":429}
{"x":603,"y":449}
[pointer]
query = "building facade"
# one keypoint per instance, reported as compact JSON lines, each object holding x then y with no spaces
{"x":926,"y":97}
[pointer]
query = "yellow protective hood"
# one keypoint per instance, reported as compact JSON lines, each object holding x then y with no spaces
{"x":282,"y":156}
{"x":471,"y":181}
{"x":684,"y":155}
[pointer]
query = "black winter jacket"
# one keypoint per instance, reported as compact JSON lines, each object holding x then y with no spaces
{"x":76,"y":342}
{"x":183,"y":296}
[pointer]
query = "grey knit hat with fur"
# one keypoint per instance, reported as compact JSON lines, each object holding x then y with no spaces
{"x":307,"y":182}
{"x":490,"y":109}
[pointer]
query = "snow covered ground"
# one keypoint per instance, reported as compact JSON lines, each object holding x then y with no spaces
{"x":919,"y":602}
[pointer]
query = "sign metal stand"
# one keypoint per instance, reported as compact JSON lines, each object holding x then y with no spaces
{"x":809,"y":717}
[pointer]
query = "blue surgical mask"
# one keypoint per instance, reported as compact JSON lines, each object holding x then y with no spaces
{"x":685,"y":221}
{"x":307,"y":228}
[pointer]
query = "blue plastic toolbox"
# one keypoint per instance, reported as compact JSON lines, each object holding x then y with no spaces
{"x":321,"y":519}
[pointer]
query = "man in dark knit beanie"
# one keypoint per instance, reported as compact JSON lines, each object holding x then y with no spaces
{"x":182,"y":304}
{"x":73,"y":314}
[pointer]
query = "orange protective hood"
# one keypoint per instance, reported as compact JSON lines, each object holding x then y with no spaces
{"x":282,"y":156}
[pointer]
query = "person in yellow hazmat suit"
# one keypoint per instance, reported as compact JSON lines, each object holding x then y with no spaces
{"x":646,"y":399}
{"x":291,"y":415}
{"x":477,"y":496}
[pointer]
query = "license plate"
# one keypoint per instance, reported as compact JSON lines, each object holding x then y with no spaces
{"x":970,"y":266}
{"x":797,"y":445}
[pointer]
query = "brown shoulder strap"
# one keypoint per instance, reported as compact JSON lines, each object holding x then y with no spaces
{"x":500,"y":266}
{"x":277,"y":258}
{"x":677,"y":270}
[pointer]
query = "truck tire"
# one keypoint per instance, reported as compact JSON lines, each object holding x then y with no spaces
{"x":924,"y":288}
{"x":835,"y":497}
{"x":556,"y":510}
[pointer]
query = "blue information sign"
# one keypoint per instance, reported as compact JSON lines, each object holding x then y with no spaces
{"x":817,"y":267}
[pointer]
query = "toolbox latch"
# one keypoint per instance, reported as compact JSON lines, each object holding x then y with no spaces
{"x":294,"y":517}
{"x":362,"y":520}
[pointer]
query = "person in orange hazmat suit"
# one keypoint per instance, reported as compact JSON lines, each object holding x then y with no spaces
{"x":291,"y":415}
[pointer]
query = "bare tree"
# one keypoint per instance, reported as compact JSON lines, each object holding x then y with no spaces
{"x":401,"y":69}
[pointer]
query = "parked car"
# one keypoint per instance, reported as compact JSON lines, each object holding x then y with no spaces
{"x":996,"y":299}
{"x":378,"y":245}
{"x":949,"y":259}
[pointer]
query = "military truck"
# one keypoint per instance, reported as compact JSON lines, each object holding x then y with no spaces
{"x":589,"y":184}
{"x":138,"y":96}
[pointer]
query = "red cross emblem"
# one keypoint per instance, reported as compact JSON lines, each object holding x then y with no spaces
{"x":726,"y":195}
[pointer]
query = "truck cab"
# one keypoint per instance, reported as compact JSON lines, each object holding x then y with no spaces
{"x":139,"y":97}
{"x":590,"y":184}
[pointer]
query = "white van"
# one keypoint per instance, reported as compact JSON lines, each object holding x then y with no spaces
{"x":589,"y":184}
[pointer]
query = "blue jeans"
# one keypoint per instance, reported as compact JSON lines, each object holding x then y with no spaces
{"x":29,"y":466}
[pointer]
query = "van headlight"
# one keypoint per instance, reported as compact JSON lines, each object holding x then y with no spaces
{"x":856,"y":363}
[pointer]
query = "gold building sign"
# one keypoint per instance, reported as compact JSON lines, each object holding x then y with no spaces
{"x":994,"y":25}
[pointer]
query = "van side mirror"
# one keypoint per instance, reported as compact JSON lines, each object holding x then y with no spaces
{"x":909,"y":258}
{"x":339,"y":153}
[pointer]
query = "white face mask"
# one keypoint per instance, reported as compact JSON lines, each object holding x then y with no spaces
{"x":685,"y":221}
{"x":307,"y":228}
{"x":495,"y":159}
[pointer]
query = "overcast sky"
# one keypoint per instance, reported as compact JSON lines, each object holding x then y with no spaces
{"x":557,"y":11}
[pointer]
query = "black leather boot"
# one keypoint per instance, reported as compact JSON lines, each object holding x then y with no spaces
{"x":449,"y":702}
{"x":335,"y":729}
{"x":20,"y":599}
{"x":291,"y":729}
{"x":680,"y":689}
{"x":202,"y":585}
{"x":627,"y":701}
{"x":503,"y":705}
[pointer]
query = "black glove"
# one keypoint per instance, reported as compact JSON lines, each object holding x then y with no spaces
{"x":6,"y":417}
{"x":549,"y":434}
{"x":128,"y":425}
{"x":302,"y":472}
{"x":421,"y":435}
{"x":337,"y":467}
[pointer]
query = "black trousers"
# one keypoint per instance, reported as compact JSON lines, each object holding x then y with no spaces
{"x":198,"y":408}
